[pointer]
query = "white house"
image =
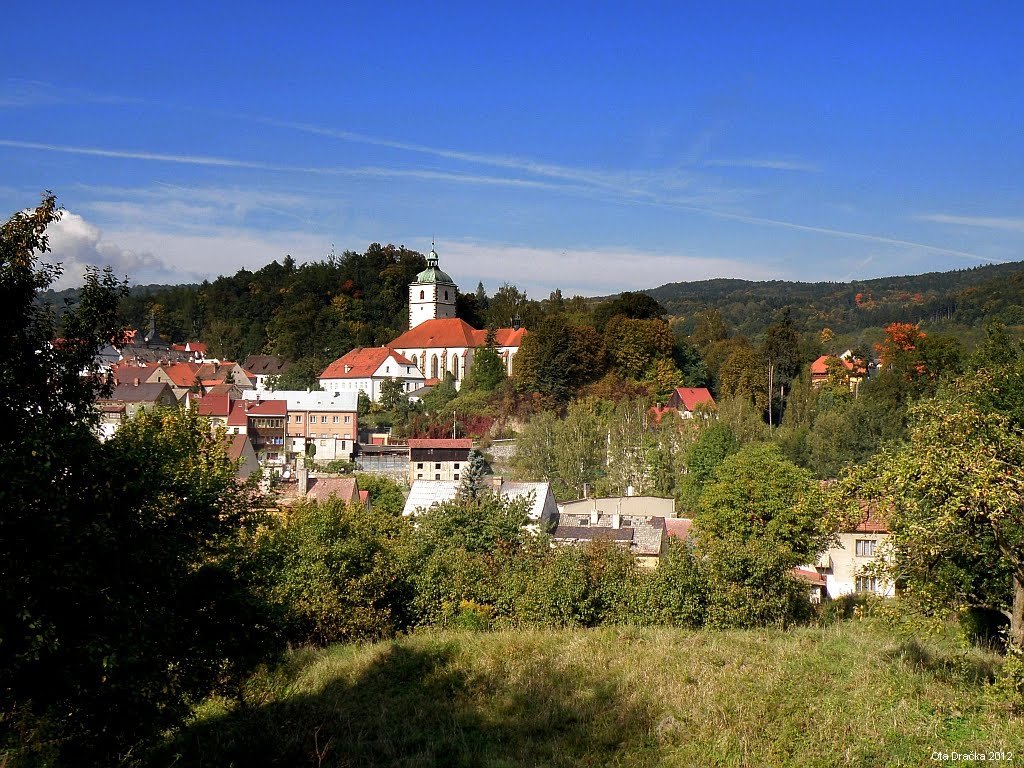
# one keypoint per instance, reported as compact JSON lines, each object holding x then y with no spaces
{"x":843,"y":564}
{"x":364,"y":369}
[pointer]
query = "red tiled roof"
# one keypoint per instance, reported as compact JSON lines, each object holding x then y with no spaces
{"x":215,"y":405}
{"x":181,"y":374}
{"x":820,"y":366}
{"x":322,"y":488}
{"x":237,"y":417}
{"x":441,"y":443}
{"x":678,"y":527}
{"x":440,"y":332}
{"x":361,"y":363}
{"x":691,"y":397}
{"x":266,"y":407}
{"x":872,"y":522}
{"x":808,"y":575}
{"x":658,"y":412}
{"x":236,"y":446}
{"x":454,"y":332}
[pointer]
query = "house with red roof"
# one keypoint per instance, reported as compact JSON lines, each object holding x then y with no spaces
{"x":364,"y":369}
{"x":844,"y":365}
{"x":685,"y":403}
{"x":858,"y":546}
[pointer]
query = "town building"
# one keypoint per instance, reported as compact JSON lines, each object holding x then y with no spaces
{"x":438,"y":459}
{"x":128,"y":399}
{"x":261,"y":368}
{"x":365,"y":369}
{"x":843,"y":565}
{"x":637,"y":523}
{"x":321,"y":425}
{"x":425,"y":494}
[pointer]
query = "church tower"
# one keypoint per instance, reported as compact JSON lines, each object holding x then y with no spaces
{"x":432,"y":295}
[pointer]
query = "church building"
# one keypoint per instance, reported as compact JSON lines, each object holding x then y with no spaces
{"x":438,"y":342}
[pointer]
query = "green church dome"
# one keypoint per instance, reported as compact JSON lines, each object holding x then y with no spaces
{"x":432,"y":274}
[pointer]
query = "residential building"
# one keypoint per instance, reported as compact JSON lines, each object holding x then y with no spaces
{"x":843,"y":565}
{"x":855,"y":371}
{"x":262,"y":367}
{"x":322,"y":425}
{"x":637,"y":523}
{"x":128,"y":399}
{"x":320,"y":488}
{"x":265,"y":424}
{"x":364,"y":369}
{"x":685,"y":403}
{"x":425,"y":494}
{"x":239,"y":449}
{"x":438,"y":459}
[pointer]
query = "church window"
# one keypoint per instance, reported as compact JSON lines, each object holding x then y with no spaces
{"x":433,"y":367}
{"x":414,"y":361}
{"x":421,"y":295}
{"x":455,"y":366}
{"x":446,"y":295}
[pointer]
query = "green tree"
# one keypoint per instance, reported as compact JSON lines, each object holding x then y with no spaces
{"x":579,"y":447}
{"x":120,"y":590}
{"x":392,"y":395}
{"x":535,"y":448}
{"x":953,"y":499}
{"x":472,"y":485}
{"x":386,"y":496}
{"x":758,"y":519}
{"x":488,"y":369}
{"x":337,"y":572}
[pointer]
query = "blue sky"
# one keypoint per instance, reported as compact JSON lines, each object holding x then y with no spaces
{"x":588,"y":146}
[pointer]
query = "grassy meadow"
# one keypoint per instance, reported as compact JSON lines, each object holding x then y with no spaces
{"x":854,"y":693}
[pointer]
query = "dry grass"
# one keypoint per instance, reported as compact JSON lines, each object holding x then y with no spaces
{"x":849,"y":694}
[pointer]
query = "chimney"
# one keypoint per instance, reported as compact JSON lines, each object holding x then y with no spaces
{"x":617,"y":515}
{"x":302,"y":475}
{"x":586,"y":490}
{"x":595,"y":516}
{"x":136,"y":382}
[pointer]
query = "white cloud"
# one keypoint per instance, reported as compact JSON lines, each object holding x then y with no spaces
{"x":76,"y":244}
{"x":589,"y":272}
{"x":988,"y":222}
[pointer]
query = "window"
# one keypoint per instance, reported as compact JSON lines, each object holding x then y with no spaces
{"x":334,"y":419}
{"x":421,"y":295}
{"x":456,"y":465}
{"x":437,"y":477}
{"x":867,"y":584}
{"x":456,"y":475}
{"x":866,"y":547}
{"x":323,"y":419}
{"x":446,"y":295}
{"x":420,"y":465}
{"x":455,"y":367}
{"x":335,"y":435}
{"x":348,"y":419}
{"x":323,"y":436}
{"x":433,"y":367}
{"x":419,"y":476}
{"x":437,"y":466}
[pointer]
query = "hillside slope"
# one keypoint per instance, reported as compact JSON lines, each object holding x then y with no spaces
{"x":851,"y":694}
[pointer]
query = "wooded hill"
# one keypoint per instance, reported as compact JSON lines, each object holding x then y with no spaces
{"x":323,"y":309}
{"x":962,"y":297}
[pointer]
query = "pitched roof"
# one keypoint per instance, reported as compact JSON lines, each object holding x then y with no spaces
{"x":440,"y":332}
{"x":678,"y":527}
{"x":215,"y":405}
{"x":235,"y":446}
{"x":127,"y":374}
{"x":266,"y":407}
{"x":181,"y":374}
{"x":820,"y":366}
{"x":426,"y":493}
{"x":454,"y":332}
{"x":691,"y":397}
{"x":463,"y":442}
{"x":361,"y":363}
{"x":237,"y":416}
{"x":322,"y":488}
{"x":265,"y":365}
{"x":143,"y":393}
{"x":303,"y":400}
{"x":809,"y":575}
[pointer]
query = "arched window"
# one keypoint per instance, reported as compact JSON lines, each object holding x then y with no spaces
{"x":446,"y":295}
{"x":455,"y":366}
{"x":421,"y":294}
{"x":433,"y":367}
{"x":414,"y":361}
